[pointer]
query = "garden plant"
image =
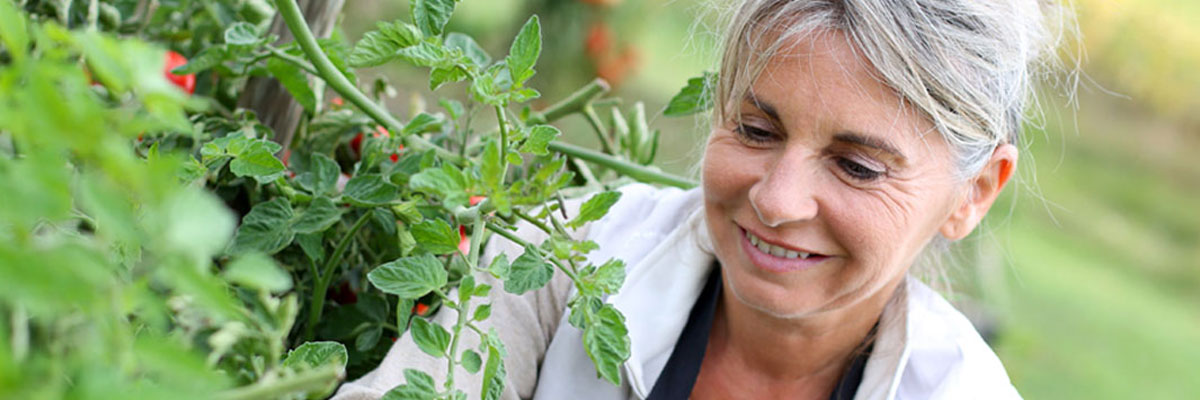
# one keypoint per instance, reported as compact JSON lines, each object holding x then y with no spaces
{"x":156,"y":243}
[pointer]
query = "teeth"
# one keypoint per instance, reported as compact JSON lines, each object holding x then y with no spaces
{"x":775,"y":250}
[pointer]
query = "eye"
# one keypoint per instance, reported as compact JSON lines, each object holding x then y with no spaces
{"x":858,"y":171}
{"x":752,"y":135}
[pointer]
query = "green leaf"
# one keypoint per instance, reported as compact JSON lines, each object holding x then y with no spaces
{"x":431,"y":338}
{"x":409,"y":277}
{"x":319,"y":216}
{"x":381,"y":45}
{"x":13,"y":30}
{"x":609,"y":277}
{"x":528,"y":272}
{"x":316,"y":354}
{"x":422,"y":123}
{"x":241,"y":34}
{"x":476,"y":54}
{"x":368,"y":339}
{"x":206,"y":59}
{"x":294,"y":80}
{"x":431,"y":16}
{"x":424,"y":54}
{"x":695,"y":97}
{"x":258,"y":163}
{"x":538,"y":138}
{"x":482,"y":313}
{"x":312,"y":247}
{"x":447,"y":182}
{"x":491,"y":169}
{"x":267,"y":228}
{"x":370,"y":190}
{"x":258,"y":271}
{"x":523,"y":53}
{"x":607,"y":343}
{"x":403,"y":314}
{"x":494,"y":374}
{"x":441,"y":76}
{"x":500,"y":267}
{"x":408,"y":392}
{"x":420,"y":380}
{"x":322,"y":175}
{"x":595,"y":208}
{"x":471,"y":361}
{"x":436,"y":236}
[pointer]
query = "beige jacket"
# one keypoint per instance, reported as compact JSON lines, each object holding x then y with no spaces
{"x":926,"y":349}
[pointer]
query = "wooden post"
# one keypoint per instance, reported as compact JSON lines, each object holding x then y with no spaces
{"x":274,"y":105}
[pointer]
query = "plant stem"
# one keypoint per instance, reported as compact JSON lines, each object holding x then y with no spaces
{"x":294,"y":18}
{"x":539,"y":224}
{"x":299,"y":62}
{"x":452,"y":357}
{"x":633,"y":170}
{"x":502,"y":119}
{"x":594,"y":120}
{"x":573,"y":103}
{"x":302,"y":382}
{"x":326,"y":276}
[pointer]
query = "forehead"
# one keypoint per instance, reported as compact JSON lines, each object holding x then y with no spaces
{"x":821,"y":79}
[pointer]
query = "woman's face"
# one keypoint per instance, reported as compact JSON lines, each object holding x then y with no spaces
{"x":824,"y":161}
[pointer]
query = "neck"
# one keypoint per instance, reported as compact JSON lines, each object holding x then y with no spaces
{"x":809,"y":348}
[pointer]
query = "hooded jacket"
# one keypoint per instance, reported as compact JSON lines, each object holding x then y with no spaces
{"x":925,"y":349}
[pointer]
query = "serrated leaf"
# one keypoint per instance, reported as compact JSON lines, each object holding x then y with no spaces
{"x":322,"y":175}
{"x":524,"y":52}
{"x":431,"y":16}
{"x":476,"y":54}
{"x":319,"y":216}
{"x":442,"y":76}
{"x":609,"y":277}
{"x":316,"y":354}
{"x":381,"y":45}
{"x":420,"y":380}
{"x":370,"y":190}
{"x":471,"y":361}
{"x":255,"y":270}
{"x":368,"y":339}
{"x":491,"y":170}
{"x":430,"y":337}
{"x":445,"y":181}
{"x":436,"y":236}
{"x":539,"y":137}
{"x":423,"y":54}
{"x":404,"y":313}
{"x":528,"y":272}
{"x":607,"y":343}
{"x":257,"y":163}
{"x":695,"y":97}
{"x":409,"y":277}
{"x":595,"y":208}
{"x":312,"y":246}
{"x":266,"y":228}
{"x":294,"y":80}
{"x":408,"y":392}
{"x":241,"y":34}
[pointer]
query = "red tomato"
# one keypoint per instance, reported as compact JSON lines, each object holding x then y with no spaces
{"x":185,"y":82}
{"x":420,"y":309}
{"x":337,"y":102}
{"x":342,"y":294}
{"x":356,"y":145}
{"x":476,"y":199}
{"x":598,"y":41}
{"x":464,"y":242}
{"x":380,"y":131}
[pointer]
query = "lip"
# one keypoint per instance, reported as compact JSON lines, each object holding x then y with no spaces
{"x":776,"y":264}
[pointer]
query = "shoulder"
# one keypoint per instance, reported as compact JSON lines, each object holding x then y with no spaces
{"x":947,"y":359}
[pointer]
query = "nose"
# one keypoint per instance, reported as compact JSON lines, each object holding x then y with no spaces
{"x":786,"y":193}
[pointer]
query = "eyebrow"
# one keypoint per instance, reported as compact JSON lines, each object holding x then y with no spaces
{"x":869,"y":141}
{"x":766,"y":107}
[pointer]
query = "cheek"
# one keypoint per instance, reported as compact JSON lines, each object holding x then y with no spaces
{"x":728,"y":171}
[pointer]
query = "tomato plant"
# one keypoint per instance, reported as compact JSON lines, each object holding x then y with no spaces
{"x":154,"y":242}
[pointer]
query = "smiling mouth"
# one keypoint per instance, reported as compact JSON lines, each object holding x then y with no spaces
{"x":776,"y":250}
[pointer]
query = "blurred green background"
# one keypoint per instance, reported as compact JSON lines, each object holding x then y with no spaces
{"x":1090,"y":266}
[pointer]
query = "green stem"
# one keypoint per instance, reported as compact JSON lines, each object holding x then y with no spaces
{"x":594,"y":120}
{"x":294,"y":18}
{"x":539,"y":224}
{"x":305,"y":381}
{"x":297,"y":61}
{"x":452,"y":358}
{"x":476,"y":242}
{"x":326,"y":276}
{"x":502,"y":119}
{"x":572,"y":104}
{"x":633,"y":170}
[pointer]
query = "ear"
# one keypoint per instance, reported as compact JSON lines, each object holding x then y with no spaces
{"x":982,"y":191}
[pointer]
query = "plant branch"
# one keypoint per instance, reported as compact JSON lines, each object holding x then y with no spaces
{"x":294,"y":18}
{"x":297,"y":61}
{"x":513,"y":237}
{"x":572,"y":104}
{"x":606,"y":143}
{"x":633,"y":170}
{"x":326,"y":276}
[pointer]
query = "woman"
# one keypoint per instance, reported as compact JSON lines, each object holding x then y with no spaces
{"x":848,"y":136}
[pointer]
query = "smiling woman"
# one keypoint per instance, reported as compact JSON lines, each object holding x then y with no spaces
{"x":847,"y":137}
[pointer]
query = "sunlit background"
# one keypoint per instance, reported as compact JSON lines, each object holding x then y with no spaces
{"x":1088,"y":272}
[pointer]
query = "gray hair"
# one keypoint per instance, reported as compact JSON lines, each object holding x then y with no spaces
{"x":968,"y":65}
